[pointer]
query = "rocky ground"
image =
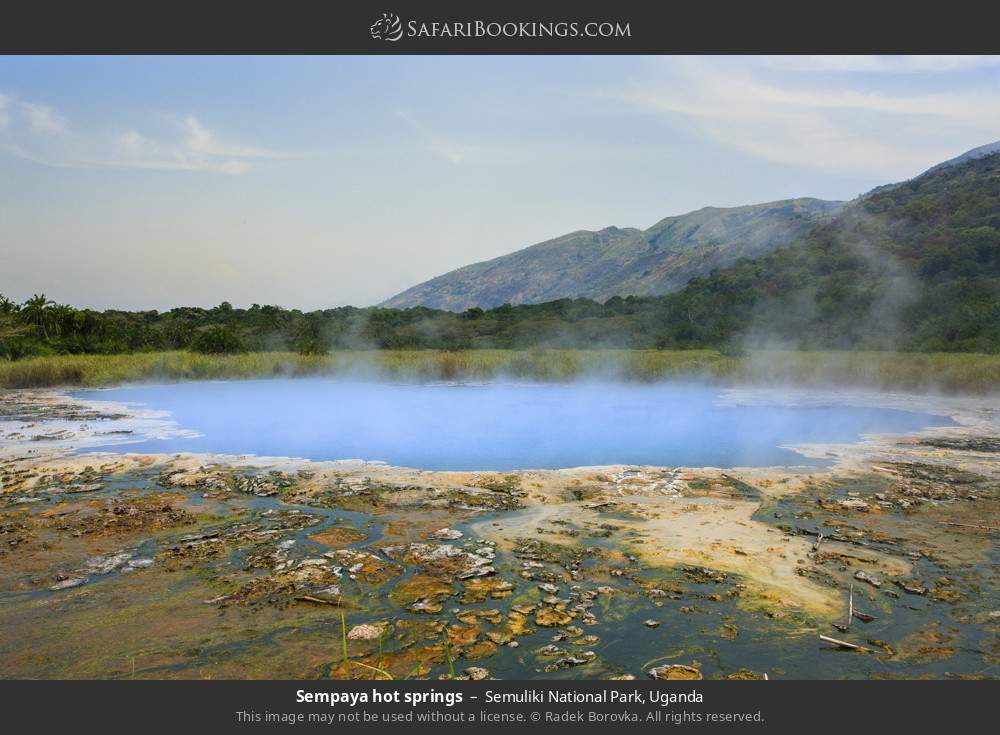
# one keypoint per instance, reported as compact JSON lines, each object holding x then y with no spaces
{"x":123,"y":565}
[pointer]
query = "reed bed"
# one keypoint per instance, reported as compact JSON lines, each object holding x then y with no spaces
{"x":947,"y":372}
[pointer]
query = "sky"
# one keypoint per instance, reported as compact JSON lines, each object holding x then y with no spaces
{"x":313,"y":182}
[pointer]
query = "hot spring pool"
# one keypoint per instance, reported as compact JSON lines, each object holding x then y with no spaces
{"x":498,"y":426}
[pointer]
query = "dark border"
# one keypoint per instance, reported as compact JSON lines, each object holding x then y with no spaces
{"x":339,"y":27}
{"x":217,"y":707}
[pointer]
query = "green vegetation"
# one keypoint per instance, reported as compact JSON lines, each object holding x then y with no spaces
{"x":907,"y":371}
{"x":100,"y":370}
{"x":913,"y":267}
{"x":600,"y":265}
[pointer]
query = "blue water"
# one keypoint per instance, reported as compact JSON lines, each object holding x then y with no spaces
{"x":498,"y":426}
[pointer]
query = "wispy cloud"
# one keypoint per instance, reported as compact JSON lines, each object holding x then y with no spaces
{"x":842,"y":123}
{"x":37,"y":132}
{"x":451,"y":149}
{"x":42,"y":118}
{"x":4,"y":111}
{"x":195,"y":148}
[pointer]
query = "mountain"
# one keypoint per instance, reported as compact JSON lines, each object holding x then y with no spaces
{"x":971,"y":155}
{"x":914,"y":267}
{"x":622,"y":262}
{"x":981,"y":152}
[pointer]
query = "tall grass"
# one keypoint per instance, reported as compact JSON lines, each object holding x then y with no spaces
{"x":947,"y":372}
{"x":447,"y":653}
{"x":890,"y":370}
{"x":101,"y":370}
{"x":343,"y":638}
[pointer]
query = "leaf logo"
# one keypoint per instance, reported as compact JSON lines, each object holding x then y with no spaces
{"x":387,"y":28}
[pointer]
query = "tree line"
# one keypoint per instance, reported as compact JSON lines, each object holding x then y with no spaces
{"x":914,"y":267}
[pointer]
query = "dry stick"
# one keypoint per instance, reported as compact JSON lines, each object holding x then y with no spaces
{"x":316,"y":600}
{"x":850,"y":606}
{"x":844,"y":644}
{"x":969,"y":525}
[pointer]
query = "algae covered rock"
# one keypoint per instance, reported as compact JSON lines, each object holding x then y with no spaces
{"x":672,"y":672}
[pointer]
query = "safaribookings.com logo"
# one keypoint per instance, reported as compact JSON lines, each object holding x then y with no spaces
{"x":390,"y":28}
{"x":387,"y":28}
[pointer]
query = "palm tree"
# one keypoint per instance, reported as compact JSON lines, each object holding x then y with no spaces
{"x":61,"y":319}
{"x":36,"y":311}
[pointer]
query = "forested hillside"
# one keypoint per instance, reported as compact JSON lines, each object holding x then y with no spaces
{"x":912,"y":267}
{"x":623,"y":261}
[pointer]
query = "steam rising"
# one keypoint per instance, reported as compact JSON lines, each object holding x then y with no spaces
{"x":500,"y":425}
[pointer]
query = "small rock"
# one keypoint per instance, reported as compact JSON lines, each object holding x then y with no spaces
{"x":137,"y":564}
{"x":67,"y":583}
{"x":568,"y":661}
{"x":429,"y":606}
{"x":854,"y":504}
{"x":108,"y":564}
{"x":549,"y":617}
{"x":572,"y":631}
{"x":365,"y":632}
{"x":865,"y":577}
{"x":474,"y":673}
{"x":675,"y":671}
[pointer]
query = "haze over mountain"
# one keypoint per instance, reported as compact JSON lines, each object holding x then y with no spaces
{"x":912,"y":267}
{"x":621,"y":262}
{"x":631,"y":262}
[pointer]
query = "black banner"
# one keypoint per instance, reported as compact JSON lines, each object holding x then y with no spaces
{"x":450,"y":27}
{"x":494,"y":706}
